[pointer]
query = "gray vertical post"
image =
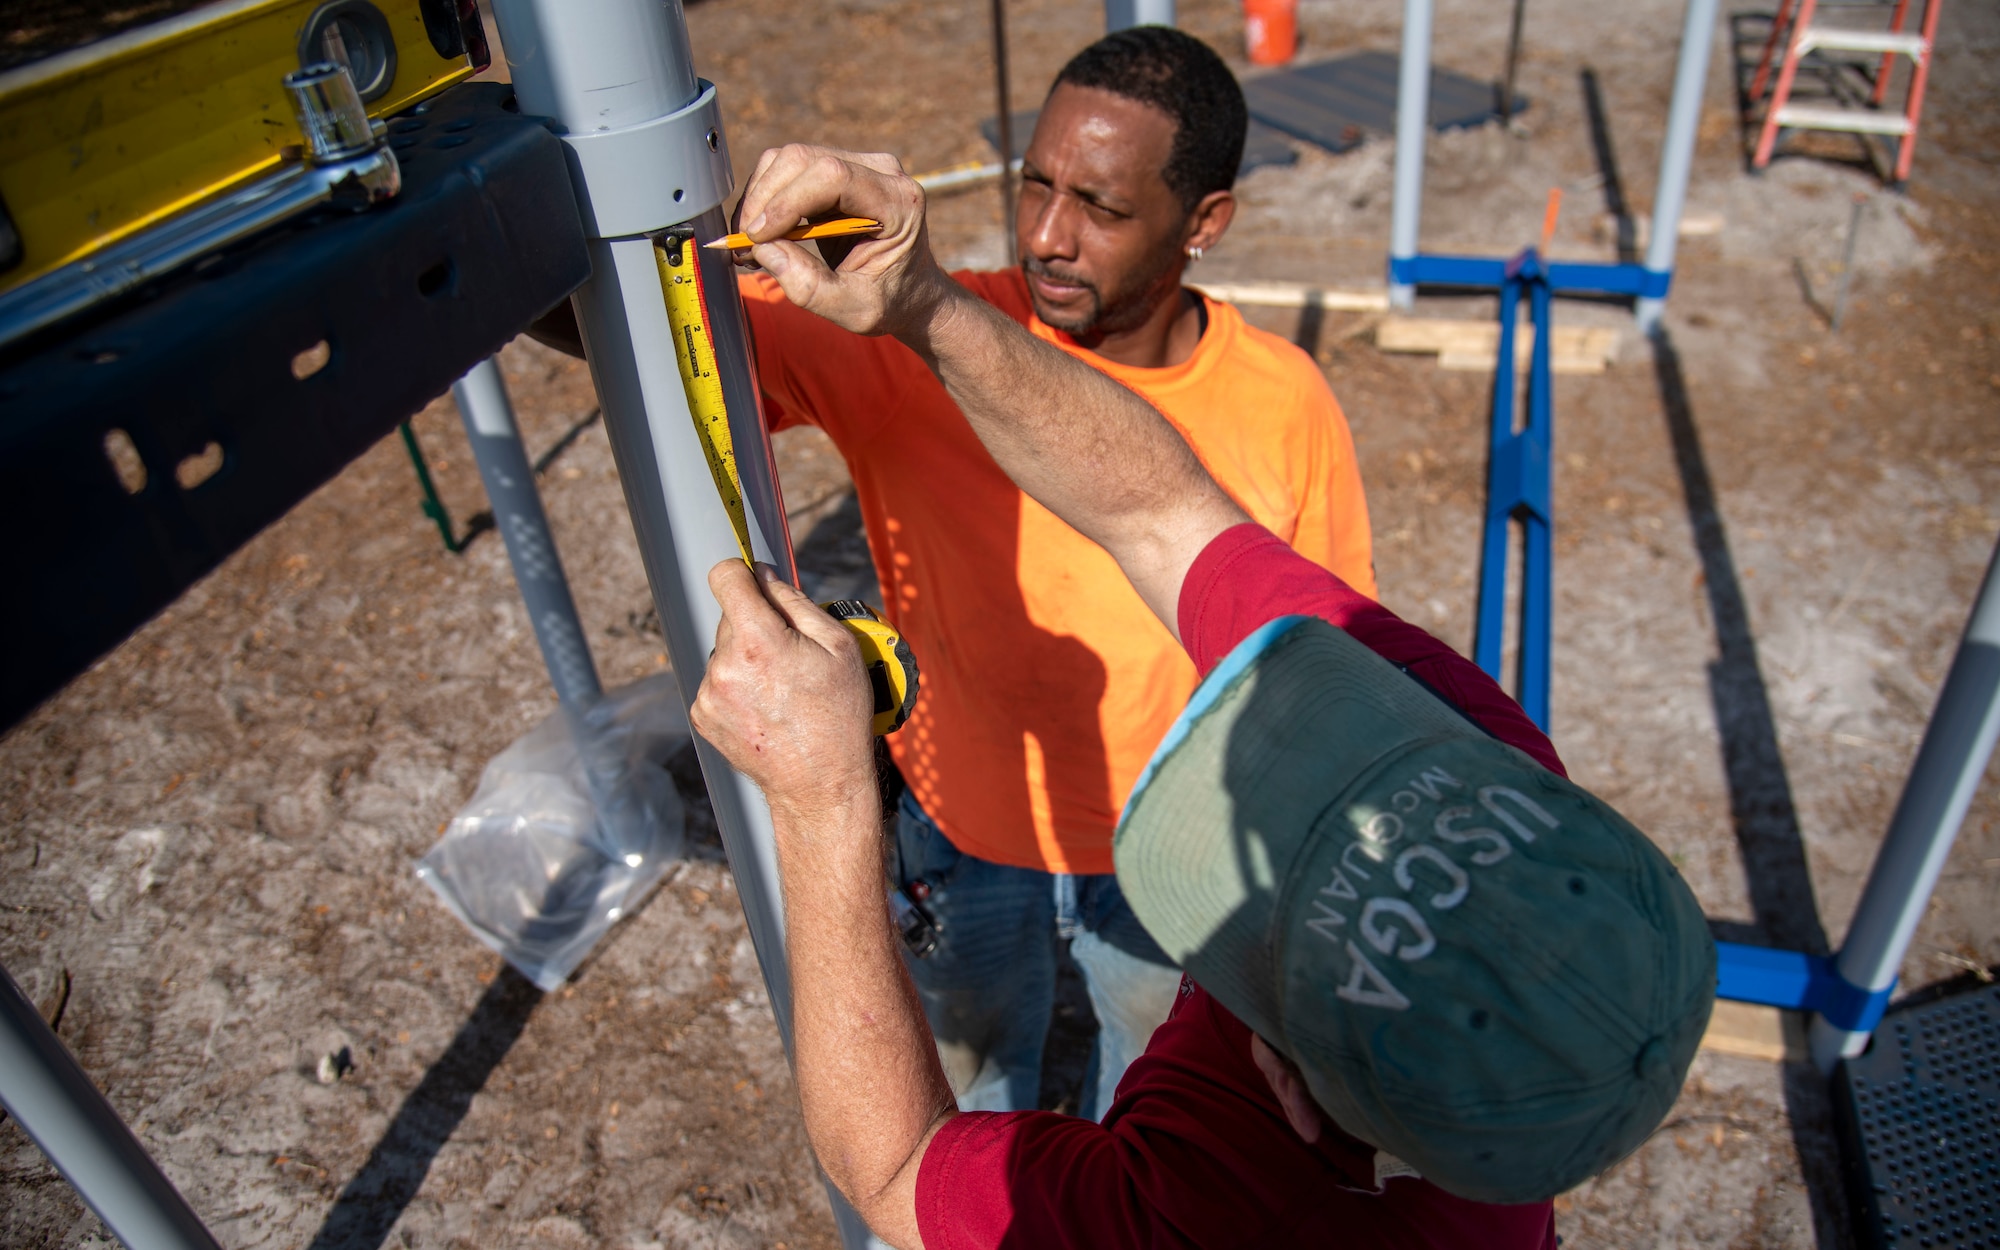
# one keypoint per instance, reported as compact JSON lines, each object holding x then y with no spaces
{"x":616,"y":74}
{"x":1413,"y":97}
{"x":481,"y":396}
{"x":55,"y":1103}
{"x":1513,"y":61}
{"x":1949,"y":764}
{"x":1120,"y":14}
{"x":509,"y":478}
{"x":1677,"y":154}
{"x":1005,"y":119}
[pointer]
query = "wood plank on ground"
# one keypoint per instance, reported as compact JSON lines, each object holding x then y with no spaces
{"x":1296,"y":295}
{"x":1475,"y":345}
{"x":1754,"y":1031}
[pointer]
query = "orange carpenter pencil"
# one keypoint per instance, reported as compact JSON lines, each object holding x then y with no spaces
{"x":837,"y":229}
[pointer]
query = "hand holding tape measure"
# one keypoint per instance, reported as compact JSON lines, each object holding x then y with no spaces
{"x":886,"y":656}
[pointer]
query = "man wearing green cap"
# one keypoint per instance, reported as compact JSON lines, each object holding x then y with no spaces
{"x":1430,"y":983}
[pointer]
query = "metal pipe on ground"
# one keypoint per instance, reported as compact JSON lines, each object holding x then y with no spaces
{"x":1847,"y":263}
{"x":1957,"y":745}
{"x":1513,"y":62}
{"x":58,"y":1106}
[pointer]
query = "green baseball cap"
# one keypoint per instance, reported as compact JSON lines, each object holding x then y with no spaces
{"x":1479,"y":968}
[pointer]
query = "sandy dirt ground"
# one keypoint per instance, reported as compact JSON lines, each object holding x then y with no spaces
{"x":1767,"y":539}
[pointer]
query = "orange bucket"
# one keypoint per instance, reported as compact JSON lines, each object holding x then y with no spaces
{"x":1271,"y":30}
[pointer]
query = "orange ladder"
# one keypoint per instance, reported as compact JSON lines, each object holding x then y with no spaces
{"x":1781,"y":114}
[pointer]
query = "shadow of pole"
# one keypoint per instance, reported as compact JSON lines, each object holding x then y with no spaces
{"x":1766,"y":821}
{"x":375,"y":1199}
{"x":1312,"y":320}
{"x":1784,"y":910}
{"x":1607,"y":169}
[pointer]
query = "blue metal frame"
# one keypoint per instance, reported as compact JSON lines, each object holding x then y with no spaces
{"x":1778,"y":978}
{"x":1517,"y":490}
{"x":1517,"y":476}
{"x":1563,"y":277}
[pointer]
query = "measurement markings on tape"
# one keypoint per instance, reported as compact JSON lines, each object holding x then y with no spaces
{"x":885,"y":654}
{"x":694,"y":349}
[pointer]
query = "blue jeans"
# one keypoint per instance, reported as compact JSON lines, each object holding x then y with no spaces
{"x":989,"y":986}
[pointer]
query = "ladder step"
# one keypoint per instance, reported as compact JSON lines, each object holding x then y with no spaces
{"x":1859,"y":121}
{"x":1862,"y":41}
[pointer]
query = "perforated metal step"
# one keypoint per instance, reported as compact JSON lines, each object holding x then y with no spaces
{"x":1919,"y":1120}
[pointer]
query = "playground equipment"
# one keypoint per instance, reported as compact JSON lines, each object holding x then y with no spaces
{"x":1849,"y":992}
{"x":498,"y":218}
{"x":1518,"y":470}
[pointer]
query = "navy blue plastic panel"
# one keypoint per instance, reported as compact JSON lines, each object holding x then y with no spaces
{"x":1919,"y":1122}
{"x":1261,"y":144}
{"x":484,"y":238}
{"x":1336,"y":104}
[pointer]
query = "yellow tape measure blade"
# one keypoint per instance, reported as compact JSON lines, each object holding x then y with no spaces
{"x":694,"y":350}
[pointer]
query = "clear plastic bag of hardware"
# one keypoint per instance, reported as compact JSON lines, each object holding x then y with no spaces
{"x":571,"y":827}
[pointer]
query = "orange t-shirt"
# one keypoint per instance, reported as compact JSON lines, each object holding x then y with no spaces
{"x":1046,"y":681}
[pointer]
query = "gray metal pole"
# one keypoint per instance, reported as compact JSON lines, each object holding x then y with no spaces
{"x":1677,"y":152}
{"x":1413,"y":97}
{"x":619,"y":70}
{"x":1120,"y":14}
{"x":1949,"y":764}
{"x":1513,"y":62}
{"x":55,"y":1103}
{"x":1005,"y":119}
{"x":481,"y":396}
{"x":509,"y":477}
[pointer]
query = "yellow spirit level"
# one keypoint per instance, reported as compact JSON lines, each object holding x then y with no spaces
{"x":105,"y":141}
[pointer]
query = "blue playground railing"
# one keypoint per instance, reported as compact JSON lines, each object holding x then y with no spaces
{"x":1518,"y":492}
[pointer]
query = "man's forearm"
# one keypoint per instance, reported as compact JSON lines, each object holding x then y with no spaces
{"x":869,"y":1080}
{"x":1080,"y":444}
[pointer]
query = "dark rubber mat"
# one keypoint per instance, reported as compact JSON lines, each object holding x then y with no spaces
{"x":1337,"y":103}
{"x":1919,"y":1121}
{"x":1261,"y":146}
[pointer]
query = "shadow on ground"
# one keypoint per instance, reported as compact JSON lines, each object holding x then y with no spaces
{"x":1766,"y":821}
{"x":375,"y":1199}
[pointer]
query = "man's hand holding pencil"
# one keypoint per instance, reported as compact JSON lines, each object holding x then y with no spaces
{"x":885,"y":284}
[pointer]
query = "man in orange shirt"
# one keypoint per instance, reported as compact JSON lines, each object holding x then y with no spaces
{"x":1047,"y":683}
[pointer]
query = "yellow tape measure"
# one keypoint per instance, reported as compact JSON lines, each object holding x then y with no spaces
{"x":891,"y":667}
{"x":694,"y":350}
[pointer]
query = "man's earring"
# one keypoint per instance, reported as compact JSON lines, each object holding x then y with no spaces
{"x":1194,"y":253}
